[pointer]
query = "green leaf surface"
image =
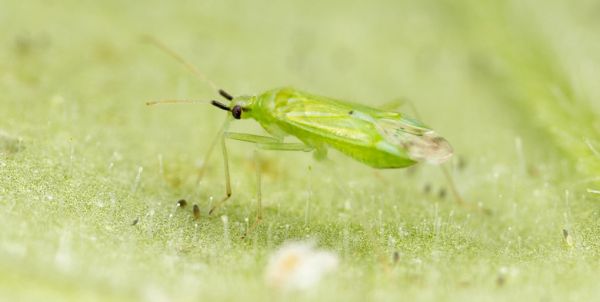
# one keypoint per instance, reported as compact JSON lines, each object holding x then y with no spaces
{"x":90,"y":176}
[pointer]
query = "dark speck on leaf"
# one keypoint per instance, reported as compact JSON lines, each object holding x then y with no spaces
{"x":427,"y":188}
{"x":396,"y":257}
{"x":462,"y":163}
{"x":410,"y":171}
{"x":9,"y":145}
{"x":500,"y":280}
{"x":135,"y":221}
{"x":196,"y":212}
{"x":442,"y":193}
{"x":182,"y":203}
{"x":567,"y":237}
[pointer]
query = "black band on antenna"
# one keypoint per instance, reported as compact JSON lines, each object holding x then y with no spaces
{"x":220,"y":105}
{"x":225,"y":94}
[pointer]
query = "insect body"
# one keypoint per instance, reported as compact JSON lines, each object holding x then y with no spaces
{"x":380,"y":139}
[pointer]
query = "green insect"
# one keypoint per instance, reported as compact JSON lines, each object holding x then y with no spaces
{"x":379,"y":138}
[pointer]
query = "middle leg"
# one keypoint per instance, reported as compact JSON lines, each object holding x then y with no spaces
{"x":261,"y":142}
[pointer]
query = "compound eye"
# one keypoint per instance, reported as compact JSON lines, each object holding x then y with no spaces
{"x":236,"y":111}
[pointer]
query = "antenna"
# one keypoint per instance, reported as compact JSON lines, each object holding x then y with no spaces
{"x":220,"y":105}
{"x":212,"y":102}
{"x":181,"y":101}
{"x":224,"y":94}
{"x":186,"y":64}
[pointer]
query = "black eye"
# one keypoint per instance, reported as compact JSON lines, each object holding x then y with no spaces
{"x":236,"y":111}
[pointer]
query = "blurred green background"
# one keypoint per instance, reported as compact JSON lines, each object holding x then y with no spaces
{"x":513,"y":85}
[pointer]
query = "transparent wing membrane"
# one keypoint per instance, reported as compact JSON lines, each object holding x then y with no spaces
{"x":421,"y":144}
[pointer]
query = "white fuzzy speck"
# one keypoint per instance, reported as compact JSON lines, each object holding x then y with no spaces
{"x":225,"y":221}
{"x":153,"y":293}
{"x":63,"y":258}
{"x":299,"y":266}
{"x":138,"y":177}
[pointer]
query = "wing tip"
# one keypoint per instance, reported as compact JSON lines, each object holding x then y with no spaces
{"x":431,"y":148}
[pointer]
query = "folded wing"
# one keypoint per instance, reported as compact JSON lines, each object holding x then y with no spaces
{"x":362,"y":125}
{"x":420,"y":142}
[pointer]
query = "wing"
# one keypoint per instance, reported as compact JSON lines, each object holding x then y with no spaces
{"x":325,"y":117}
{"x":420,"y":143}
{"x":362,"y":125}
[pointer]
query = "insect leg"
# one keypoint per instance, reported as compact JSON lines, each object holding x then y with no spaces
{"x":268,"y":146}
{"x":401,"y":102}
{"x":251,"y":138}
{"x":262,"y":142}
{"x":258,"y":196}
{"x":268,"y":143}
{"x":211,"y":149}
{"x":258,"y":187}
{"x":227,"y":177}
{"x":392,"y":105}
{"x":286,"y":147}
{"x":450,"y":179}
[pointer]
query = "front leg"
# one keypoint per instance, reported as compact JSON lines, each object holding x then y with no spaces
{"x":261,"y":142}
